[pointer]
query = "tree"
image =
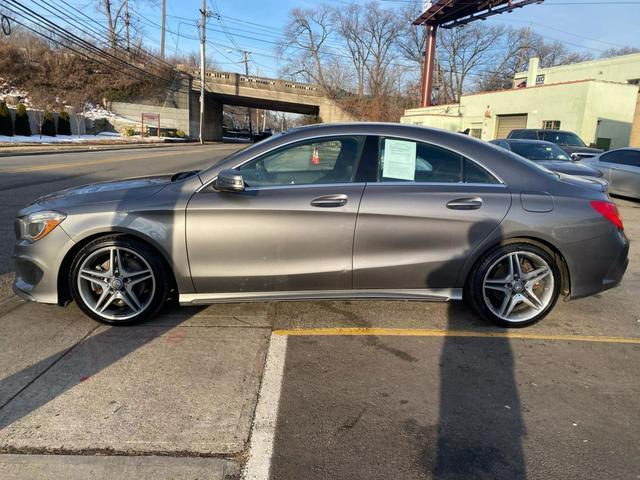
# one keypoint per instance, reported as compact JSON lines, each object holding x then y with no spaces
{"x":22,"y":121}
{"x":48,"y":127}
{"x":6,"y":124}
{"x":305,"y":43}
{"x":43,"y":101}
{"x":349,"y":24}
{"x":64,"y":122}
{"x":616,"y":52}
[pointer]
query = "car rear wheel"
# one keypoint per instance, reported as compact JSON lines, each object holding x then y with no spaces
{"x":515,"y":285}
{"x":118,"y":280}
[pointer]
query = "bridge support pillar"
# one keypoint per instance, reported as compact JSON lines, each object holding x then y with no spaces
{"x":212,"y":117}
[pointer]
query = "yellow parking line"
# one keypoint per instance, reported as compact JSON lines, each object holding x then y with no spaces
{"x":57,"y":166}
{"x":416,"y":332}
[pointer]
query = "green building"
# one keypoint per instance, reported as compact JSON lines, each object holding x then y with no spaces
{"x":596,"y":99}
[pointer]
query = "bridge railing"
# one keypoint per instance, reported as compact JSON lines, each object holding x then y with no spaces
{"x":254,"y":81}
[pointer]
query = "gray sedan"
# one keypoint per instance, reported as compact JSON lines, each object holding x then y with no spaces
{"x":326,"y":212}
{"x":621,"y":169}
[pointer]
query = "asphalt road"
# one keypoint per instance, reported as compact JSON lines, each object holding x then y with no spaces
{"x":348,"y":390}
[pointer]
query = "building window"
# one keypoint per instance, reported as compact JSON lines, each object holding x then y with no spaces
{"x":540,"y":80}
{"x":551,"y":125}
{"x":476,"y":132}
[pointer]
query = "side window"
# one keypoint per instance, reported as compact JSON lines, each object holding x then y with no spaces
{"x":515,"y":134}
{"x":622,"y":157}
{"x":406,"y":160}
{"x":319,"y":161}
{"x":529,"y":135}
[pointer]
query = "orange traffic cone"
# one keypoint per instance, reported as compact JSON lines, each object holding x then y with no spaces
{"x":315,"y":157}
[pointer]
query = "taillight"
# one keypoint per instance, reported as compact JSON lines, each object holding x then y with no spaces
{"x":609,"y":211}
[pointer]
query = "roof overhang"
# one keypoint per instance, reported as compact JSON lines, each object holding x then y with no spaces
{"x":453,"y":13}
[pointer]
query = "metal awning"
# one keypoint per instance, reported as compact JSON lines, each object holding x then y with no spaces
{"x":452,"y":13}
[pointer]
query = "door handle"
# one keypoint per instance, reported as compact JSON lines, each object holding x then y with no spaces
{"x":328,"y":201}
{"x":472,"y":203}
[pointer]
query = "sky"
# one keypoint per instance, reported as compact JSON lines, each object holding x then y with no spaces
{"x":256,"y":25}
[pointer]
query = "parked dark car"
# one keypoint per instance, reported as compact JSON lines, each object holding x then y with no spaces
{"x":360,"y":210}
{"x":549,"y":155}
{"x":621,"y":169}
{"x":568,"y":141}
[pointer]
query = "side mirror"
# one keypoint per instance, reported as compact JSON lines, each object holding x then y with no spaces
{"x":575,"y":157}
{"x":230,"y":181}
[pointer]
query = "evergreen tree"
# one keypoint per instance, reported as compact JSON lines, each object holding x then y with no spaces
{"x":22,"y":121}
{"x":48,"y":124}
{"x":64,"y":123}
{"x":6,"y":124}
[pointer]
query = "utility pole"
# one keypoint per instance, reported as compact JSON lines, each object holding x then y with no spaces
{"x":126,"y":23}
{"x":246,"y":71}
{"x":164,"y":16}
{"x":203,"y":38}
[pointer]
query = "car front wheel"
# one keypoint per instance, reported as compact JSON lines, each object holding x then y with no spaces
{"x":118,"y":280}
{"x":515,"y":285}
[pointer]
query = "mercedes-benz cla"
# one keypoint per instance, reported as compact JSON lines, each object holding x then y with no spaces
{"x":328,"y":212}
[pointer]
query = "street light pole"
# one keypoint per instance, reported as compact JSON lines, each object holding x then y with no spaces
{"x":164,"y":16}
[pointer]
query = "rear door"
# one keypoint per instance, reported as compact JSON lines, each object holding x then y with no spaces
{"x":625,"y":171}
{"x":427,"y":211}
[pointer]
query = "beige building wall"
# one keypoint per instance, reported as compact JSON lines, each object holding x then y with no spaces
{"x":623,"y":69}
{"x":577,"y":105}
{"x":635,"y":128}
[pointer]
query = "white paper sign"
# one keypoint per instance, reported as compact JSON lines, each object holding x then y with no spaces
{"x":399,"y":159}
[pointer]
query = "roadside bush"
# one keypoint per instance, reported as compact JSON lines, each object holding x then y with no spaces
{"x":180,"y":134}
{"x":22,"y":121}
{"x":64,"y":123}
{"x":6,"y":124}
{"x":48,"y":124}
{"x":128,"y":132}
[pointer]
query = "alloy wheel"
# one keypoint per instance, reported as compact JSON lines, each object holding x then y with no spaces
{"x":518,"y":286}
{"x":116,"y":283}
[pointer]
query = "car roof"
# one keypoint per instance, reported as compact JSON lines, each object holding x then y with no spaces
{"x":522,"y":140}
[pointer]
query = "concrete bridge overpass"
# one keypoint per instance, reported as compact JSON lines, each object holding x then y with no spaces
{"x":225,"y":88}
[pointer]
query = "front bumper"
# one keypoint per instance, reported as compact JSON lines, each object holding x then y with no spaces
{"x":598,"y":264}
{"x":38,"y":264}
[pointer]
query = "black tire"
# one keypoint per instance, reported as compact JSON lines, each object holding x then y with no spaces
{"x":161,"y":277}
{"x":474,"y":291}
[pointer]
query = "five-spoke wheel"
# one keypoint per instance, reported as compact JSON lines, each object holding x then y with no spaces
{"x":118,"y":280}
{"x":515,"y":285}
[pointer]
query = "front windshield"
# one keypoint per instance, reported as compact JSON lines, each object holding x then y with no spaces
{"x":540,"y":151}
{"x":563,"y":138}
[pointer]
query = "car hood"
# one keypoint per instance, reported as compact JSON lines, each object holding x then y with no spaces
{"x":588,"y":150}
{"x":570,"y":168}
{"x":93,"y":193}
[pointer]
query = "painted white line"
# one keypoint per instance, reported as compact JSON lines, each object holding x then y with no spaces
{"x":264,"y":423}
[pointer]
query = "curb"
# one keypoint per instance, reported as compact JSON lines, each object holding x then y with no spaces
{"x":97,"y":148}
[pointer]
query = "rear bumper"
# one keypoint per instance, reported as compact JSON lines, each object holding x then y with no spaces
{"x":597,"y":264}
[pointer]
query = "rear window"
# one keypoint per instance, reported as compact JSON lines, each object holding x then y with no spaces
{"x":563,"y":138}
{"x":540,"y":151}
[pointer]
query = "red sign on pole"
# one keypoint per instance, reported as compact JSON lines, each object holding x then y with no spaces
{"x":150,"y":117}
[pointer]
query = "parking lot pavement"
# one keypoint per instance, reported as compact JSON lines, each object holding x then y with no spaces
{"x":163,"y":388}
{"x":362,"y":389}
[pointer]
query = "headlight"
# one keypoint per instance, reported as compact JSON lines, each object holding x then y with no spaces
{"x":37,"y":225}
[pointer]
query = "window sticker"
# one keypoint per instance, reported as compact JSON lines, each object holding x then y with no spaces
{"x":399,"y":159}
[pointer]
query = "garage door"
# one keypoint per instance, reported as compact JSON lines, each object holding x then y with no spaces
{"x":506,"y":123}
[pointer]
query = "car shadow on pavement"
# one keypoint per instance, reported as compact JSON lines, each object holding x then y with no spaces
{"x":101,"y":347}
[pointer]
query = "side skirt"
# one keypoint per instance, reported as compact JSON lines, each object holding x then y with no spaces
{"x":433,"y":295}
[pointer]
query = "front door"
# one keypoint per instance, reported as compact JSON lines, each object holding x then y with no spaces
{"x":290,"y":230}
{"x":426,"y":213}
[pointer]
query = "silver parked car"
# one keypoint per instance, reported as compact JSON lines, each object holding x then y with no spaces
{"x":333,"y":211}
{"x":621,"y":168}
